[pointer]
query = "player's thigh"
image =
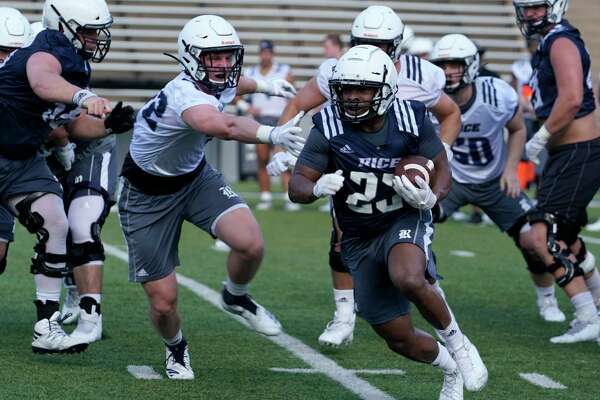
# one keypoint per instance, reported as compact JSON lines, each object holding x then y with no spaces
{"x":18,"y":177}
{"x":152,"y":228}
{"x":377,"y":300}
{"x":95,"y":170}
{"x":456,"y":198}
{"x":504,"y":210}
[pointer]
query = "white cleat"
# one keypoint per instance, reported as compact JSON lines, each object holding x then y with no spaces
{"x":452,"y":388}
{"x":579,"y":331}
{"x":264,"y":206}
{"x":291,"y":207}
{"x":221,"y":246}
{"x":471,"y":366}
{"x":338,"y":332}
{"x":258,"y":317}
{"x":49,"y":338}
{"x":178,"y":369}
{"x":89,"y":327}
{"x":70,"y":308}
{"x":549,"y":311}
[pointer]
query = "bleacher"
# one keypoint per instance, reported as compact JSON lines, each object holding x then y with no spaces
{"x":144,"y":29}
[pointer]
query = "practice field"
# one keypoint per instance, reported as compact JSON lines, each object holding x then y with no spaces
{"x":489,"y":290}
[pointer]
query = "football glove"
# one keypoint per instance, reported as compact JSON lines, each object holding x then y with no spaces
{"x":536,"y":144}
{"x":120,"y":120}
{"x":286,"y":136}
{"x":420,"y":196}
{"x":329,"y":184}
{"x":280,"y":163}
{"x":276,"y":87}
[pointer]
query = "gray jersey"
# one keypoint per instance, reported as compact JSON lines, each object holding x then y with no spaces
{"x":480,"y":150}
{"x":418,"y":79}
{"x":162,"y":143}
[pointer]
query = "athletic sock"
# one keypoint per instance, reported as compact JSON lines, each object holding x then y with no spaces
{"x":444,"y":360}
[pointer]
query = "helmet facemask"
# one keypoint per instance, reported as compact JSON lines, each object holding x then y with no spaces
{"x":357,"y":110}
{"x":214,"y":77}
{"x":92,"y":47}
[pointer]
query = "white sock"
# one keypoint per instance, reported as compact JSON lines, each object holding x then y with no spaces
{"x":175,"y":340}
{"x":47,"y":288}
{"x":593,"y":282}
{"x":95,"y":296}
{"x":444,"y":360}
{"x":266,"y":197}
{"x":452,"y":335}
{"x":236,"y":289}
{"x":344,"y":302}
{"x":543,"y":292}
{"x":585,"y":309}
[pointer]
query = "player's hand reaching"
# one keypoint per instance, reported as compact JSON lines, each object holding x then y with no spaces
{"x":420,"y":196}
{"x":280,"y":163}
{"x":120,"y":120}
{"x":276,"y":87}
{"x":65,"y":155}
{"x":509,"y":183}
{"x":94,"y":104}
{"x":329,"y":184}
{"x":287,"y":135}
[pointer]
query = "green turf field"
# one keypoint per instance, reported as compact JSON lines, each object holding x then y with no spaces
{"x":490,"y":294}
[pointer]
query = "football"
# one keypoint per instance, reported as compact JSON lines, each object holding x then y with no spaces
{"x":413,"y":166}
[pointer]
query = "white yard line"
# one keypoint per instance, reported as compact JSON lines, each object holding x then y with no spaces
{"x":143,"y":372}
{"x":356,"y":371}
{"x":316,"y":360}
{"x":462,"y":253}
{"x":541,"y":380}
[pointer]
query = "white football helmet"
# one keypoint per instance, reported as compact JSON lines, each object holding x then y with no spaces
{"x":555,"y":9}
{"x":421,"y":47}
{"x":378,"y":25}
{"x":457,"y":47}
{"x":365,"y":66}
{"x":200,"y":38}
{"x":14,"y":29}
{"x":72,"y":16}
{"x":36,"y":27}
{"x":407,"y":38}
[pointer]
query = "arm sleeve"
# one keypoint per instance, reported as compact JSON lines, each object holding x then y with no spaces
{"x":315,"y":153}
{"x":429,"y":142}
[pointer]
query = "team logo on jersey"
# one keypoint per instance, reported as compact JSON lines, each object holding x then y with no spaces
{"x":227,"y":192}
{"x":347,"y":149}
{"x":405,"y":234}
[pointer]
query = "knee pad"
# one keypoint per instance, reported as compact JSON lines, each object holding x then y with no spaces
{"x":572,"y":270}
{"x":536,"y":267}
{"x":34,"y":222}
{"x":335,"y":261}
{"x":86,"y":252}
{"x":585,"y":259}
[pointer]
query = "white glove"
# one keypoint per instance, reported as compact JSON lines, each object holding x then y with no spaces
{"x":420,"y":196}
{"x":280,"y":163}
{"x":536,"y":144}
{"x":65,"y":155}
{"x":449,"y":153}
{"x":286,"y":136}
{"x":276,"y":87}
{"x":329,"y":184}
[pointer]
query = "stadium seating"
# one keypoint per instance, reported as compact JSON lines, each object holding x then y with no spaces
{"x":144,"y":29}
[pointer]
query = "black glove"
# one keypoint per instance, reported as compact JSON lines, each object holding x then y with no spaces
{"x":120,"y":120}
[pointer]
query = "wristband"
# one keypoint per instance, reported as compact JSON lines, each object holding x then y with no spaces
{"x":264,"y":133}
{"x":81,"y":96}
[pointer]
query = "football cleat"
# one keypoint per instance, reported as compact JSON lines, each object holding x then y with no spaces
{"x":264,"y":205}
{"x":338,"y":332}
{"x":221,"y":246}
{"x":452,"y":388}
{"x":291,"y":207}
{"x":261,"y":320}
{"x":70,"y":308}
{"x":579,"y":331}
{"x":49,"y":338}
{"x":470,"y":365}
{"x":89,"y":327}
{"x":549,"y":311}
{"x":178,"y":366}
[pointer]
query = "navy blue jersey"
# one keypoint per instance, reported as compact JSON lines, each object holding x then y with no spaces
{"x":367,"y":204}
{"x":26,"y":119}
{"x":543,"y":81}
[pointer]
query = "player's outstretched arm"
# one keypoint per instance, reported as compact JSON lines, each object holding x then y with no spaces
{"x":448,"y":114}
{"x":517,"y":134}
{"x":208,"y":120}
{"x":43,"y":74}
{"x":276,"y":87}
{"x":88,"y":127}
{"x":305,"y":100}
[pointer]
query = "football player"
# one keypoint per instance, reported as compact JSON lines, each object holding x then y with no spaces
{"x":417,"y":80}
{"x":351,"y":154}
{"x":564,"y":102}
{"x":484,"y":167}
{"x":167,"y":180}
{"x":44,"y":86}
{"x":14,"y":34}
